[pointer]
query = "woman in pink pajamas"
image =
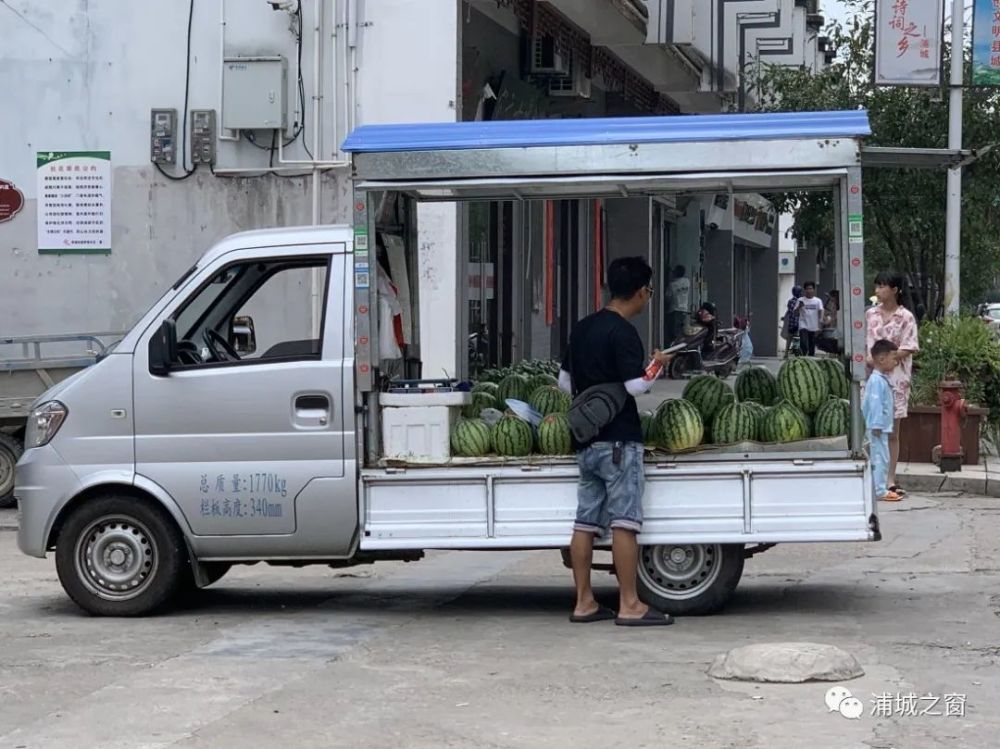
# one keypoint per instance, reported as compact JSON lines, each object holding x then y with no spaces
{"x":889,"y":319}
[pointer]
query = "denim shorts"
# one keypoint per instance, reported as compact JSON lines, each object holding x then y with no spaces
{"x":609,"y":494}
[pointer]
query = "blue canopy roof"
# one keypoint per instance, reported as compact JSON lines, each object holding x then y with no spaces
{"x":443,"y":136}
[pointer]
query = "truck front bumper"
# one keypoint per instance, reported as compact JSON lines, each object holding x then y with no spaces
{"x":43,"y":484}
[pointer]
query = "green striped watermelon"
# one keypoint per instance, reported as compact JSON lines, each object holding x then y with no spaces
{"x":833,"y":419}
{"x":804,"y":382}
{"x":840,"y":385}
{"x":736,"y":422}
{"x":757,"y":383}
{"x":487,"y":387}
{"x":470,"y":438}
{"x":512,"y":436}
{"x":554,"y":436}
{"x":538,"y":380}
{"x":783,"y":422}
{"x":646,"y":419}
{"x":480,"y":400}
{"x":708,"y":394}
{"x":513,"y":386}
{"x":678,"y":425}
{"x":548,"y":399}
{"x":758,"y":408}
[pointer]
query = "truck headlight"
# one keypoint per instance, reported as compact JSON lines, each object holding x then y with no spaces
{"x":43,"y":423}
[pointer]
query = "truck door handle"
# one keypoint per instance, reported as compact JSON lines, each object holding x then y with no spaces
{"x":312,"y":403}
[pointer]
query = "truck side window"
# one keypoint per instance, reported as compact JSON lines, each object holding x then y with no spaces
{"x":255,"y":311}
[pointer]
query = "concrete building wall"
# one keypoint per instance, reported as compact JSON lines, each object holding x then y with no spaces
{"x":87,"y":75}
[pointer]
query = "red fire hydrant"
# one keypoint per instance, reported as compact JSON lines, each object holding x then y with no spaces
{"x":953,"y":410}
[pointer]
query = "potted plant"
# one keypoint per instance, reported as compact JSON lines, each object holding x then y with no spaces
{"x":954,"y":348}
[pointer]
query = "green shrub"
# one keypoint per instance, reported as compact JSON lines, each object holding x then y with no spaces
{"x":959,"y":348}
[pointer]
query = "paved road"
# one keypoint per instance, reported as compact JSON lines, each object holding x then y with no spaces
{"x":473,"y":650}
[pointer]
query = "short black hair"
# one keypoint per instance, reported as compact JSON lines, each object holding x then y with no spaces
{"x":883,"y":346}
{"x":627,"y":275}
{"x":679,"y":271}
{"x":807,"y":284}
{"x":892,"y":279}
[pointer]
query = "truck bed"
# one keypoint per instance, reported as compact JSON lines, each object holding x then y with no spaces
{"x":763,"y":499}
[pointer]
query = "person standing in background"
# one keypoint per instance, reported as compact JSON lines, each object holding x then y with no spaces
{"x":810,"y":312}
{"x":678,"y":303}
{"x":890,"y":320}
{"x":790,"y":321}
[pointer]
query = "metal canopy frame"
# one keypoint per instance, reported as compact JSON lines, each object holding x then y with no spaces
{"x":456,"y":162}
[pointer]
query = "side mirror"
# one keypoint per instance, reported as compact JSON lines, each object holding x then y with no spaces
{"x":163,"y":349}
{"x":242,"y":336}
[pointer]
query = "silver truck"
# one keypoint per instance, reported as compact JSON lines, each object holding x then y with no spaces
{"x":224,"y":430}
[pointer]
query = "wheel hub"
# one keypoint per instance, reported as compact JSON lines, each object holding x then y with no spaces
{"x":116,"y":558}
{"x":681,"y":571}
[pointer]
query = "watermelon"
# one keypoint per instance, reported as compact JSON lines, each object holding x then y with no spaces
{"x":678,"y":425}
{"x":840,"y":386}
{"x":757,"y":383}
{"x":513,"y":386}
{"x":480,"y":400}
{"x":549,"y":400}
{"x":736,"y":422}
{"x":708,"y":394}
{"x":470,"y":438}
{"x":758,"y":408}
{"x":803,"y":381}
{"x":833,"y":419}
{"x":512,"y":436}
{"x":646,"y":419}
{"x":554,"y":436}
{"x":783,"y":422}
{"x":486,"y":387}
{"x":538,"y":380}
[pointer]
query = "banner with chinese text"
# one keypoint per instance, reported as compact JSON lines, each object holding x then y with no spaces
{"x":74,"y":202}
{"x":986,"y":43}
{"x":908,"y":42}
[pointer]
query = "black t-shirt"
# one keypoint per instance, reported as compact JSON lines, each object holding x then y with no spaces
{"x":606,"y":348}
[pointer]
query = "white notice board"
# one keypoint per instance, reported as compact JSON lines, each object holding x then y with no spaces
{"x":74,"y":202}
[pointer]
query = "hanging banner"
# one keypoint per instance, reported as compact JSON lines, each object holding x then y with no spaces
{"x":986,"y":43}
{"x":74,"y":202}
{"x":908,"y":42}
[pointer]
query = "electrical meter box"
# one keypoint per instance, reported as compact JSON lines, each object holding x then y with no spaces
{"x":254,"y":93}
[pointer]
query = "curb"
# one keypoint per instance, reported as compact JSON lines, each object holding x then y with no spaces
{"x":951,"y":482}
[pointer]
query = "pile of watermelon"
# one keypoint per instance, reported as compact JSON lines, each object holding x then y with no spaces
{"x":533,"y":382}
{"x":807,"y":399}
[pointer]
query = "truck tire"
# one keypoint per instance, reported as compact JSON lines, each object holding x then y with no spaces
{"x":120,"y":556}
{"x":689,"y":579}
{"x":10,"y":452}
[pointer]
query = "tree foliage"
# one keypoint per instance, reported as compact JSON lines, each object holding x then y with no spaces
{"x":904,"y":208}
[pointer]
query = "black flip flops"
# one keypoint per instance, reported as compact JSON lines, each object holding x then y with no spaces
{"x":650,"y":619}
{"x":603,"y":614}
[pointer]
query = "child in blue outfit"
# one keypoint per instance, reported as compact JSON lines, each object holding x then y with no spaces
{"x":877,"y":408}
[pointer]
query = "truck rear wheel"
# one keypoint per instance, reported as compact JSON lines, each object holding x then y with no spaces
{"x":689,"y":579}
{"x":120,"y":556}
{"x":10,"y":452}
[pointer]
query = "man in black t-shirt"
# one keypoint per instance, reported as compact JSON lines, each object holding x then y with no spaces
{"x":605,"y":348}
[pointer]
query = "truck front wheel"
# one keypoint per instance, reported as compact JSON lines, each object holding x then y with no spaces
{"x":689,"y":579}
{"x":10,"y":453}
{"x":120,"y":556}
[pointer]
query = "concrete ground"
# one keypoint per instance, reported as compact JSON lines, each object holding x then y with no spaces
{"x":474,"y":650}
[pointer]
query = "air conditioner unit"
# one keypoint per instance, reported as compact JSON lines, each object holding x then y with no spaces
{"x":546,"y":59}
{"x":575,"y":85}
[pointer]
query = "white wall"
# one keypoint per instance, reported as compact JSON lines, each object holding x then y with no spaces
{"x":87,"y":74}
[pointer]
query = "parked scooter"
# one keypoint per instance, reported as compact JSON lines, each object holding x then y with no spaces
{"x":708,"y":348}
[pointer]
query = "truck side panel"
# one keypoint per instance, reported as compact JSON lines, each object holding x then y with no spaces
{"x":718,"y":502}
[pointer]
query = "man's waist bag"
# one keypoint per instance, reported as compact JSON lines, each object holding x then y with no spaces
{"x":594,"y":409}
